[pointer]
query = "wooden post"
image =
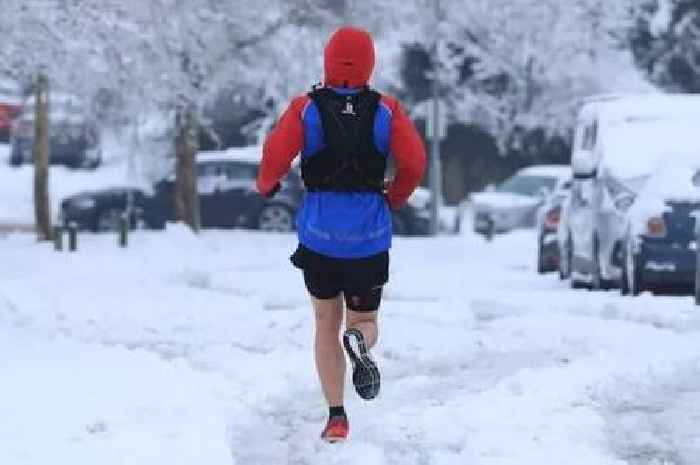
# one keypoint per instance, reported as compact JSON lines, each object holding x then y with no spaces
{"x":490,"y":229}
{"x":123,"y":230}
{"x":72,"y":236}
{"x":58,"y":238}
{"x":42,"y":206}
{"x":186,"y":147}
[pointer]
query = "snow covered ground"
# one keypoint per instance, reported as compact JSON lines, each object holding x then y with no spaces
{"x":183,"y":349}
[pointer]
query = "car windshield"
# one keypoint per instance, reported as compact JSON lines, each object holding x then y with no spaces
{"x":527,"y":185}
{"x":635,"y":184}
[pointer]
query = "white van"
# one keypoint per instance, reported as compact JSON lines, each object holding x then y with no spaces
{"x":619,"y":141}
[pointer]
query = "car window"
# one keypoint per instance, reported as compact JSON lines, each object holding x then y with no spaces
{"x":527,"y":185}
{"x":209,"y":169}
{"x":240,"y":171}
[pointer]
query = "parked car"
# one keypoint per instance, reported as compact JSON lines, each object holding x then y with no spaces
{"x":228,"y":198}
{"x":659,"y":248}
{"x":618,"y":143}
{"x":548,"y":218}
{"x":102,"y":210}
{"x":10,"y":106}
{"x":514,"y":203}
{"x":73,"y":139}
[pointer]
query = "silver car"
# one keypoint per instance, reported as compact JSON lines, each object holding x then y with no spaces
{"x":514,"y":203}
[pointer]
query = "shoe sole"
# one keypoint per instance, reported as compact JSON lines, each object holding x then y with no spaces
{"x":365,"y":374}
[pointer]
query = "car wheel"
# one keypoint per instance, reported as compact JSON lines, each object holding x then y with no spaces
{"x":398,"y":225}
{"x":541,"y":268}
{"x":89,"y":164}
{"x":109,"y":220}
{"x":138,"y":222}
{"x":697,"y":281}
{"x":565,"y":260}
{"x":276,"y":218}
{"x":16,"y":158}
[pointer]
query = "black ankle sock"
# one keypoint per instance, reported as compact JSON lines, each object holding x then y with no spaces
{"x":336,"y":412}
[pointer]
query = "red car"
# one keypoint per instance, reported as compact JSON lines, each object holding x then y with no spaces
{"x":10,"y":106}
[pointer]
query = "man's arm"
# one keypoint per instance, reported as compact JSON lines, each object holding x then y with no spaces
{"x":281,"y":146}
{"x":407,"y":148}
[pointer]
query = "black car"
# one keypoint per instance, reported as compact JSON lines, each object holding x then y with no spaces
{"x":658,"y":252}
{"x":228,"y":198}
{"x":73,"y":139}
{"x":103,"y":210}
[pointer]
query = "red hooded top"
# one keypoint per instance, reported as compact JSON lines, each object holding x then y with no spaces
{"x":348,"y":62}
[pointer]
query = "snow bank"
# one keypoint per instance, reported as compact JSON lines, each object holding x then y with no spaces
{"x":184,"y":349}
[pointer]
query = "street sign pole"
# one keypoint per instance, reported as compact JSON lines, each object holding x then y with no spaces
{"x":435,"y":136}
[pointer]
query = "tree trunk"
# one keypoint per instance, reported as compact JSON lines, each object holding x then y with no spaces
{"x":42,"y":207}
{"x":186,"y":147}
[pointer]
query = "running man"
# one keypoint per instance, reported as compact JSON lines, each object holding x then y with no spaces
{"x":345,"y":132}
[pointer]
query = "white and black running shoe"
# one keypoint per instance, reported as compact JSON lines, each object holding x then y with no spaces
{"x":365,"y":374}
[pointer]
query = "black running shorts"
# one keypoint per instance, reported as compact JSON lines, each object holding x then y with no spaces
{"x":359,"y":279}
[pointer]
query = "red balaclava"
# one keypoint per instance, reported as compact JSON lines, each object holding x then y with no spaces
{"x":348,"y":59}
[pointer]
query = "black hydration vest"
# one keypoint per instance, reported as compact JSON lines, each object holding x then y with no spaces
{"x":349,"y":160}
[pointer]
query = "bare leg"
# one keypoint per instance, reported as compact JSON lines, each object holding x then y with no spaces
{"x":366,"y":322}
{"x":330,"y":360}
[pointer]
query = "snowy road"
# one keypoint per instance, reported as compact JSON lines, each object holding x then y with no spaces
{"x":185,"y":350}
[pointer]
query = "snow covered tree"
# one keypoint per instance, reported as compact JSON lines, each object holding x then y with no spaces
{"x":162,"y":56}
{"x":665,"y":40}
{"x":516,"y":65}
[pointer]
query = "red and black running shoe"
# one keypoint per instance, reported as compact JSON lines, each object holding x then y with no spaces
{"x":365,"y":374}
{"x":336,"y":430}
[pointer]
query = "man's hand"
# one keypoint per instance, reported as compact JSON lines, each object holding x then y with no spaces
{"x":273,"y":192}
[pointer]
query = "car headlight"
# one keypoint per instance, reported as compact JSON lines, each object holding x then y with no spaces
{"x":420,"y":199}
{"x":85,"y":203}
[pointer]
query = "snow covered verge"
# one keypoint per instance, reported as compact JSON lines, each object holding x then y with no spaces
{"x":184,"y":349}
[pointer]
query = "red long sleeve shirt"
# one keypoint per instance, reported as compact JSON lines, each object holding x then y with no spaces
{"x":286,"y":141}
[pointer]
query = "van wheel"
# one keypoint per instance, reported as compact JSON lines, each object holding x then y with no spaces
{"x":565,"y":260}
{"x":276,"y":218}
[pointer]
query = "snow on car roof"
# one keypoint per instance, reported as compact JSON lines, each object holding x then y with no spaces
{"x":644,"y":106}
{"x":250,"y":154}
{"x":553,"y":171}
{"x":637,"y":131}
{"x":675,"y":180}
